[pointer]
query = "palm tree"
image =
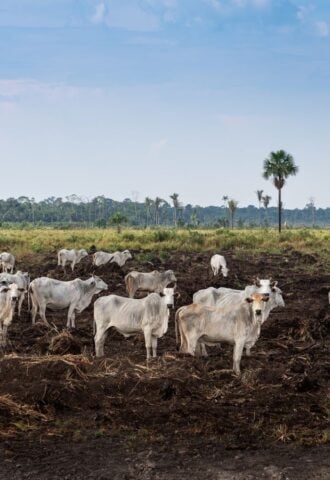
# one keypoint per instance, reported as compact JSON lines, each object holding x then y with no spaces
{"x":232,"y":207}
{"x":158,"y":203}
{"x":225,"y":199}
{"x":118,"y":219}
{"x":259,"y":195}
{"x":279,"y":165}
{"x":148,"y":203}
{"x":176,"y":204}
{"x":265,"y":200}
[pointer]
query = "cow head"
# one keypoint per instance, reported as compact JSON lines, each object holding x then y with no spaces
{"x":127,"y":254}
{"x":82,"y":253}
{"x":258,"y":303}
{"x":224,"y":271}
{"x":99,"y":284}
{"x":168,"y":297}
{"x":277,"y":297}
{"x":170,"y":276}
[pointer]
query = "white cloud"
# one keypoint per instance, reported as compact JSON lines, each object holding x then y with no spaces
{"x":157,"y":147}
{"x":24,"y":87}
{"x":99,"y":14}
{"x":322,"y":29}
{"x":305,"y":15}
{"x":253,"y":3}
{"x":215,"y":4}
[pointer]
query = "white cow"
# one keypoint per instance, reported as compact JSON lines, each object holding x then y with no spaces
{"x":223,"y":297}
{"x":151,"y":282}
{"x":76,"y":295}
{"x":236,"y":324}
{"x":101,"y":258}
{"x":8,"y":300}
{"x":132,"y":316}
{"x":22,"y":280}
{"x":7,"y":261}
{"x":217,"y":262}
{"x":211,"y":296}
{"x":70,"y":256}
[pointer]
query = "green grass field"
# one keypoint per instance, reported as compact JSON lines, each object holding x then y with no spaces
{"x":25,"y":242}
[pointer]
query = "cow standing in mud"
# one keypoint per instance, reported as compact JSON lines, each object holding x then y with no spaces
{"x":151,"y":282}
{"x":236,"y":324}
{"x":131,"y":316}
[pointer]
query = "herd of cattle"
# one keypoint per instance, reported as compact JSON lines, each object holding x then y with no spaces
{"x":216,"y":314}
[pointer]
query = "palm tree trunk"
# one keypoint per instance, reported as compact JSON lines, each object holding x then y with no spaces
{"x":279,"y":210}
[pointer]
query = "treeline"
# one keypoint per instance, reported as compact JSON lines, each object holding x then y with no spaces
{"x":101,"y":212}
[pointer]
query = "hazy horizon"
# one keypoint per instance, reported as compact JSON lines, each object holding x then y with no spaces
{"x":160,"y":96}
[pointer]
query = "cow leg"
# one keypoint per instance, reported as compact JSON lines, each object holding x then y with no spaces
{"x":202,"y":349}
{"x":34,"y":311}
{"x":20,"y":302}
{"x":147,"y":340}
{"x":4,"y":335}
{"x":72,"y":265}
{"x":192,"y":344}
{"x":154,"y":346}
{"x":99,"y":339}
{"x":237,"y":355}
{"x":42,"y":313}
{"x":71,"y":322}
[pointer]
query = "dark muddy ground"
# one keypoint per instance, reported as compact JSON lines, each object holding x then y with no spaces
{"x":71,"y":416}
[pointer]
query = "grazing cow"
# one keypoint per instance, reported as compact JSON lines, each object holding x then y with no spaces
{"x":211,"y":296}
{"x":70,"y":256}
{"x":22,"y":281}
{"x":217,"y":262}
{"x":236,"y":324}
{"x":101,"y":258}
{"x":7,"y":261}
{"x":152,"y":282}
{"x":8,"y":300}
{"x":131,"y":316}
{"x":76,"y":295}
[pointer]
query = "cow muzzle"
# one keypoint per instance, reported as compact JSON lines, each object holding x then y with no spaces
{"x":258,"y":312}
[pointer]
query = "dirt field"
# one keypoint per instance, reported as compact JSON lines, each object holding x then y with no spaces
{"x":71,"y":416}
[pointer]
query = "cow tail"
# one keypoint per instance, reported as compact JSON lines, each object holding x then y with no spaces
{"x":177,"y":328}
{"x":129,"y":284}
{"x":59,"y":258}
{"x":28,"y":295}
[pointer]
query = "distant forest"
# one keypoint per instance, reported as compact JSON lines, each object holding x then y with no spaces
{"x":102,"y":212}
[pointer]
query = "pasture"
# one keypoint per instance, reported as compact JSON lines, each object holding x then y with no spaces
{"x":162,"y":416}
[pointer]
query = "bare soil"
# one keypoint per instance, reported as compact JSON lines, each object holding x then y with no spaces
{"x":65,"y":414}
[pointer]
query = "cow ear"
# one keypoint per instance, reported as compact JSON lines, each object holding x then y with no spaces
{"x":274,"y":284}
{"x":249,"y":300}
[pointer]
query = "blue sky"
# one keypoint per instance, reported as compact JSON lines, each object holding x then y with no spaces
{"x":161,"y":96}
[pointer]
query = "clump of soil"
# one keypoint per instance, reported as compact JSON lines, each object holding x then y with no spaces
{"x":65,"y":343}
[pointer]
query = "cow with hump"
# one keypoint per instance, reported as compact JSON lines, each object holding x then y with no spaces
{"x":151,"y":282}
{"x":131,"y":316}
{"x":73,"y":256}
{"x":74,"y":295}
{"x":238,"y":324}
